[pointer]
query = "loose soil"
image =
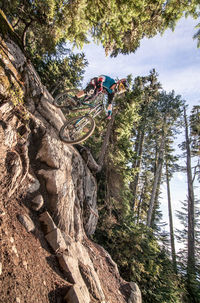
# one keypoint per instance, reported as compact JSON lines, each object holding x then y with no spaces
{"x":29,"y":271}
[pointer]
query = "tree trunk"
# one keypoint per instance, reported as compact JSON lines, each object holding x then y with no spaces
{"x":138,"y":161}
{"x":52,"y":91}
{"x":27,"y":25}
{"x":173,"y":251}
{"x":191,"y":242}
{"x":156,"y":179}
{"x":105,"y":143}
{"x":156,"y":200}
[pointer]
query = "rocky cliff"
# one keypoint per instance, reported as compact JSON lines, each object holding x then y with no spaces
{"x":48,"y":208}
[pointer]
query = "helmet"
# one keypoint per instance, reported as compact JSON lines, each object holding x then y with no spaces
{"x":122,"y":86}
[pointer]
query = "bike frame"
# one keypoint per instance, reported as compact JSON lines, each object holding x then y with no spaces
{"x":80,"y":127}
{"x":93,"y":112}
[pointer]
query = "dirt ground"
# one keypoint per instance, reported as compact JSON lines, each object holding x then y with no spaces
{"x":116,"y":290}
{"x":29,"y":271}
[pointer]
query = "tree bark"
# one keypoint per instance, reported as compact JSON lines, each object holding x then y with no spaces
{"x":52,"y":91}
{"x":173,"y":251}
{"x":191,"y":241}
{"x":27,"y":25}
{"x":105,"y":143}
{"x":138,"y":161}
{"x":93,"y":165}
{"x":156,"y":179}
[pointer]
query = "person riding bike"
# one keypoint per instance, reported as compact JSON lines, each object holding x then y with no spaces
{"x":106,"y":85}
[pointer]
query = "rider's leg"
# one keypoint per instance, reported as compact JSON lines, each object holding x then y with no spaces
{"x":80,"y":94}
{"x":89,"y":90}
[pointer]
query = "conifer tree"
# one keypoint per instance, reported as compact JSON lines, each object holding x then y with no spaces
{"x":60,"y":72}
{"x":195,"y":130}
{"x":189,"y":219}
{"x":146,"y":90}
{"x":167,"y":110}
{"x":191,"y":271}
{"x":118,"y":25}
{"x":171,"y":226}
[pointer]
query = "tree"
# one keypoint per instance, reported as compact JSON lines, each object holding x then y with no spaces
{"x":118,"y":25}
{"x":146,"y":90}
{"x":141,"y":259}
{"x":195,"y":129}
{"x":191,"y":271}
{"x":172,"y":238}
{"x":157,"y":174}
{"x":65,"y":70}
{"x":189,"y":218}
{"x":197,"y":35}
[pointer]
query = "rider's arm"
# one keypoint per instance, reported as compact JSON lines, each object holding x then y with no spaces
{"x":100,"y":81}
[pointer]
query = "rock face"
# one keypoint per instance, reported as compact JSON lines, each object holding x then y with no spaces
{"x":56,"y":182}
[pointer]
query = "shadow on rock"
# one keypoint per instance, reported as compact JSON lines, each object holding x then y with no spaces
{"x":57,"y":296}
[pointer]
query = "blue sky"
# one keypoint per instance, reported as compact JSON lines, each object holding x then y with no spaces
{"x":177,"y":61}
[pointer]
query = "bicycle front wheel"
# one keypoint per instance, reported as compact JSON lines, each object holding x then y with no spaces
{"x":77,"y":129}
{"x":66,"y":98}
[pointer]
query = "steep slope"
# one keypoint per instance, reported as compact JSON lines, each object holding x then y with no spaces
{"x":48,"y":196}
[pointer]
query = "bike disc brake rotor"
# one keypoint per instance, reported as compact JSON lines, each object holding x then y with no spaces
{"x":76,"y":130}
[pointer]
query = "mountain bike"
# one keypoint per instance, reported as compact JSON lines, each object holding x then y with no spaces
{"x":79,"y":128}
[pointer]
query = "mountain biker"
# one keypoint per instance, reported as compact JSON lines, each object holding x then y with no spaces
{"x":106,"y":85}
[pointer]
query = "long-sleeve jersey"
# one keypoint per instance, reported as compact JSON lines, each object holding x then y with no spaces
{"x":107,"y":82}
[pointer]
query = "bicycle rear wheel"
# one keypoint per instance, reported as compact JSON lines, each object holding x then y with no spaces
{"x":65,"y":99}
{"x":77,"y":129}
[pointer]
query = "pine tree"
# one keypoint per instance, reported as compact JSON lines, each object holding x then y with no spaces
{"x":171,"y":226}
{"x":191,"y":266}
{"x":146,"y":90}
{"x":60,"y":72}
{"x":195,"y":129}
{"x":189,"y":218}
{"x":118,"y":25}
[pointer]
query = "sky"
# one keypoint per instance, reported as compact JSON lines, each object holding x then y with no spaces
{"x":174,"y":55}
{"x":176,"y":59}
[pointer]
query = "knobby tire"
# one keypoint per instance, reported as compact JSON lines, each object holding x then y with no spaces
{"x":70,"y":123}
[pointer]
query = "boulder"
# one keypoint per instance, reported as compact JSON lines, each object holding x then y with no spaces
{"x":135,"y":296}
{"x":37,"y":202}
{"x":47,"y":222}
{"x":56,"y":240}
{"x":26,"y":221}
{"x":76,"y":295}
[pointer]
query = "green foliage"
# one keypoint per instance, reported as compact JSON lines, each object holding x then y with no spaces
{"x":195,"y":130}
{"x":159,"y":115}
{"x":116,"y":174}
{"x":136,"y":251}
{"x":191,"y":280}
{"x":117,"y":25}
{"x":60,"y":72}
